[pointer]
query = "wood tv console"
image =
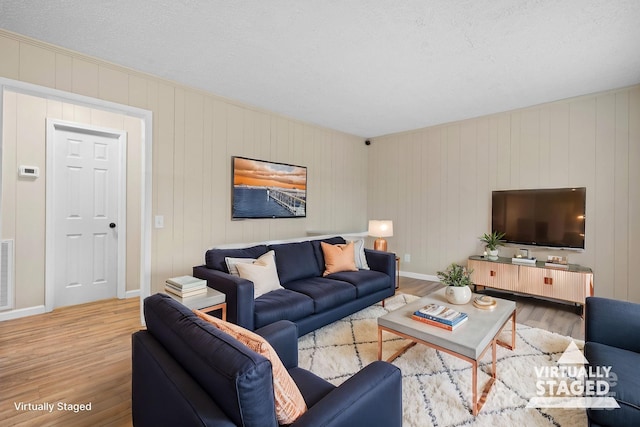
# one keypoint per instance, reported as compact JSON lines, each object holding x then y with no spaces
{"x":574,"y":284}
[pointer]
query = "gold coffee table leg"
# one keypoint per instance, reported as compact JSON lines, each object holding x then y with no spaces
{"x":397,"y":353}
{"x":512,"y":345}
{"x":478,"y":403}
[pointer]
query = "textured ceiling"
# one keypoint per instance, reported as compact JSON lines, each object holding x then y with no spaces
{"x":366,"y":67}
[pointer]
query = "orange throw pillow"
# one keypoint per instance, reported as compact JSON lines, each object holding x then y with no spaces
{"x":289,"y":401}
{"x":338,"y":258}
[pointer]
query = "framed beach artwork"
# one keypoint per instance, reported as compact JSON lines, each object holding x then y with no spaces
{"x":263,"y":189}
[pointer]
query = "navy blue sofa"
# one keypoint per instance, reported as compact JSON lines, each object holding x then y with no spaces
{"x":186,"y":372}
{"x":309,"y":300}
{"x":611,"y":340}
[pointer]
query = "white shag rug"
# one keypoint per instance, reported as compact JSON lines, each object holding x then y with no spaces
{"x":436,"y":387}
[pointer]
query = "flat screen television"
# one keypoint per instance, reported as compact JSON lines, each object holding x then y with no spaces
{"x":263,"y":189}
{"x":552,"y":218}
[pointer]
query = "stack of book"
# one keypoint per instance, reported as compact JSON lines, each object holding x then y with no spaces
{"x":521,"y":260}
{"x":440,"y":316}
{"x":186,"y":286}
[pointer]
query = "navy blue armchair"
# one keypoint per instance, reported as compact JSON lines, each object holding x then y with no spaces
{"x":611,"y":333}
{"x":187,"y":372}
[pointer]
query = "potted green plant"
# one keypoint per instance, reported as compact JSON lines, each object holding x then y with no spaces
{"x":458,"y":279}
{"x":492,"y":241}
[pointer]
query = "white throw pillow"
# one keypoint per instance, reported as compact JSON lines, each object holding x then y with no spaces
{"x":232,"y":262}
{"x":358,"y":253}
{"x":262,"y":272}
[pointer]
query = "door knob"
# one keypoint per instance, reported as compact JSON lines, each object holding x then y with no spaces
{"x":112,"y":225}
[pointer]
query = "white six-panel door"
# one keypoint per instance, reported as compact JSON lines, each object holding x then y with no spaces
{"x":83,"y":192}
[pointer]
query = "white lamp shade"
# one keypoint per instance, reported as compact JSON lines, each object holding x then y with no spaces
{"x":380,"y":228}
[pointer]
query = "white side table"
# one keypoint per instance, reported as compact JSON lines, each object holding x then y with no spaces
{"x":212,"y":300}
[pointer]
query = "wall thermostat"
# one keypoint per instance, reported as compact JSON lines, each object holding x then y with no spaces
{"x":29,"y":171}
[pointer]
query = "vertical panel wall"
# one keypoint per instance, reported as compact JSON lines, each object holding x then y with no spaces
{"x":195,"y":135}
{"x":443,"y":204}
{"x":23,"y":200}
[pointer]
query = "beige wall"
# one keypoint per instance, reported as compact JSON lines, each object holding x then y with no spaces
{"x":436,"y":183}
{"x":195,"y":135}
{"x":23,"y":200}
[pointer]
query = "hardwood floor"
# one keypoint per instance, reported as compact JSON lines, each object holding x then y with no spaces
{"x":82,"y":354}
{"x":73,"y":355}
{"x":538,"y":313}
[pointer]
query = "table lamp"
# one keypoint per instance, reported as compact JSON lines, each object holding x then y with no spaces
{"x":380,"y":229}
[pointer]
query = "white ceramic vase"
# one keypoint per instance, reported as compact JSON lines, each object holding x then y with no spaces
{"x":458,"y":294}
{"x":493,"y":255}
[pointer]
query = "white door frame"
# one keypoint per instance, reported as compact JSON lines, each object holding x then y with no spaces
{"x":146,"y":118}
{"x":50,"y":265}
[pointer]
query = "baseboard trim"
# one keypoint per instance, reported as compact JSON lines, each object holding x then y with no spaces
{"x":22,"y":312}
{"x":132,"y":294}
{"x":40,"y":309}
{"x":419,"y":276}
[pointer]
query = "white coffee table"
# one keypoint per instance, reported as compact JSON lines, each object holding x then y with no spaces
{"x":468,"y":342}
{"x":212,"y":300}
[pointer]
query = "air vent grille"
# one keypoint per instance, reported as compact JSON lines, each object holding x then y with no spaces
{"x":6,"y":275}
